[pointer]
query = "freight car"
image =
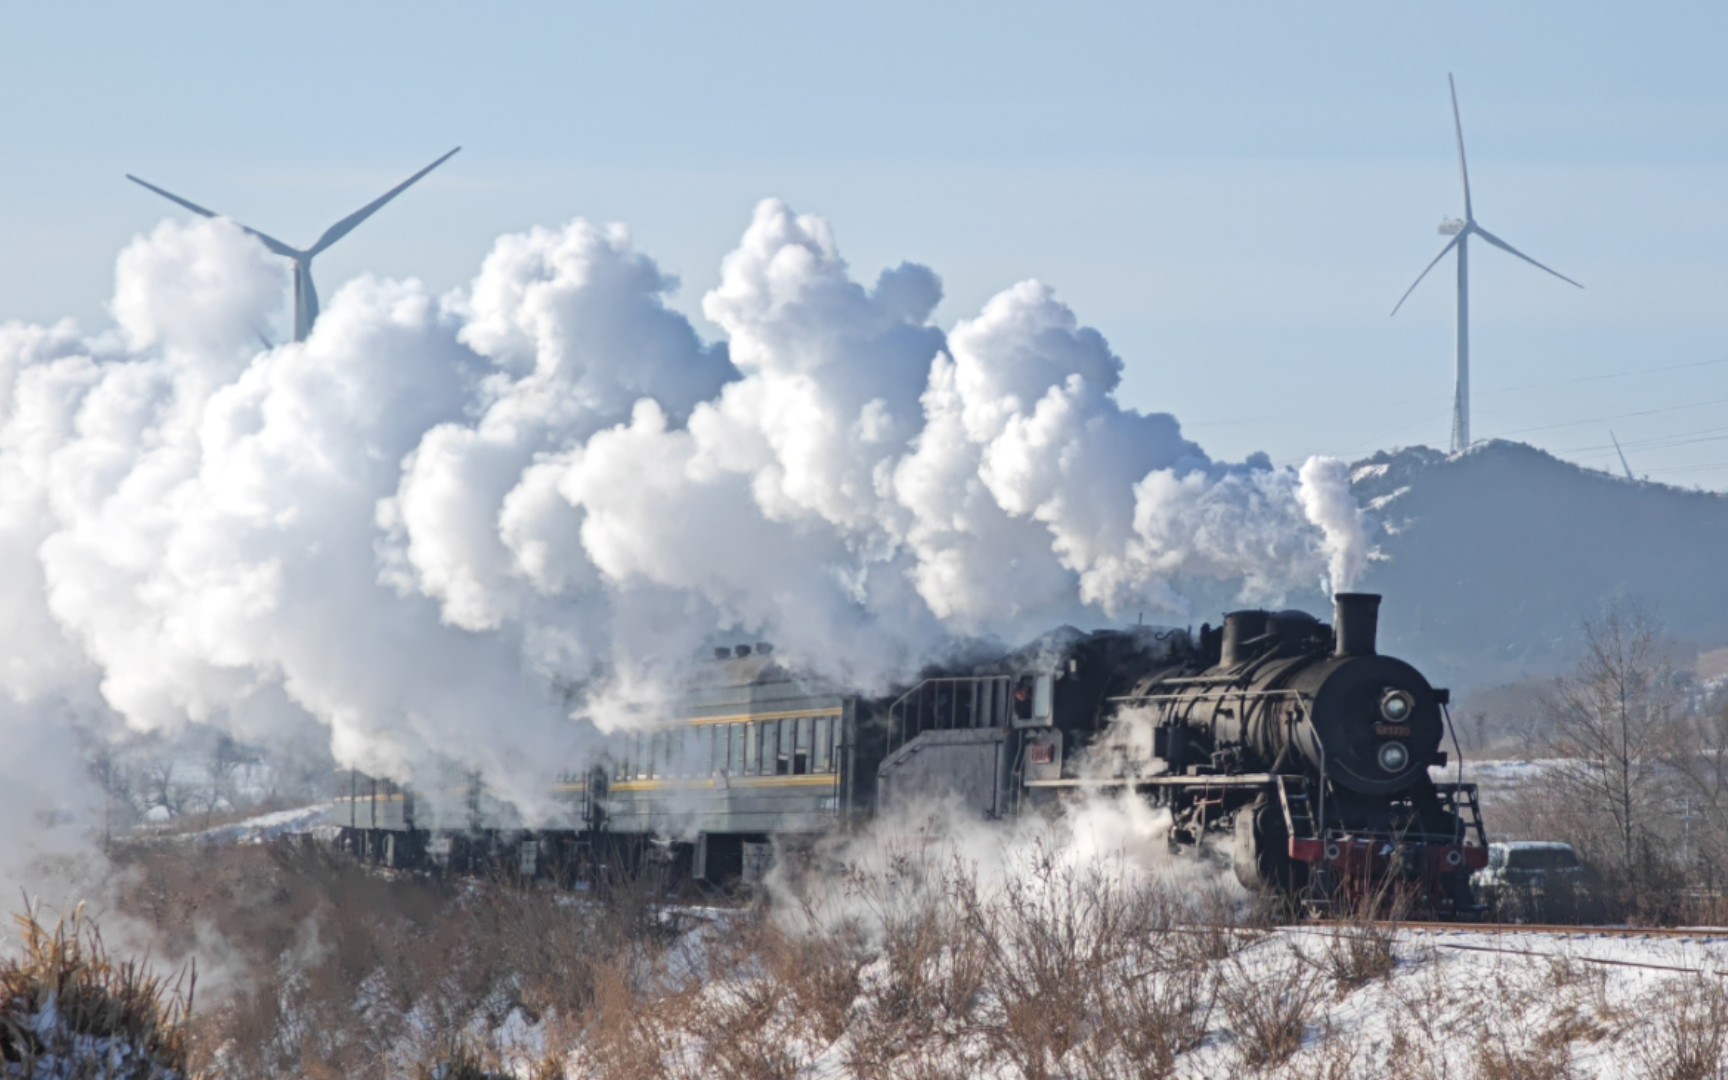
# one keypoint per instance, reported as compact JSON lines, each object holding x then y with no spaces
{"x":1291,"y":743}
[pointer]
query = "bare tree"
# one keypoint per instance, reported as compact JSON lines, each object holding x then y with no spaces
{"x":1701,"y":764}
{"x":1616,"y":724}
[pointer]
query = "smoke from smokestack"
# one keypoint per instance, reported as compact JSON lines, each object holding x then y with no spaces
{"x":469,"y":529}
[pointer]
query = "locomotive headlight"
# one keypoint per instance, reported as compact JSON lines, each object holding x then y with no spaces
{"x":1394,"y":756}
{"x":1397,"y":705}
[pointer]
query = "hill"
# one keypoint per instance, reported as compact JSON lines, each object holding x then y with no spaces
{"x":1490,"y":558}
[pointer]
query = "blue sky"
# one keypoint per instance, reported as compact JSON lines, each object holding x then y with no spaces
{"x":1235,"y":194}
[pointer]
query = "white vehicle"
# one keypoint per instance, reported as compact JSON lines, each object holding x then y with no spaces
{"x":1530,"y":878}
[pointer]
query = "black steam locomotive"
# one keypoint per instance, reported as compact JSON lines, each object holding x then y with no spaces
{"x":1303,"y":742}
{"x":1292,"y":741}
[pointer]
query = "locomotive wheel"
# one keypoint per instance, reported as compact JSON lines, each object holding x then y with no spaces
{"x":1260,"y":853}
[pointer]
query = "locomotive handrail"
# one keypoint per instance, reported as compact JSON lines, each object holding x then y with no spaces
{"x":1205,"y":680}
{"x":1131,"y":698}
{"x":1458,"y":749}
{"x":1236,"y":780}
{"x":910,"y":706}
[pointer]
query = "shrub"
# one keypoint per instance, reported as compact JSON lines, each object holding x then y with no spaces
{"x":70,"y":1008}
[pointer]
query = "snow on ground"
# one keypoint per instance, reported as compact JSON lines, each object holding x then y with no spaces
{"x":1457,"y":1003}
{"x":1497,"y":772}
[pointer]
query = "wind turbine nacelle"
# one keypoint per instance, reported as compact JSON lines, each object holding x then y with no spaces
{"x":1451,"y":226}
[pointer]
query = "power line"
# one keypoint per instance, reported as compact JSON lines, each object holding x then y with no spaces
{"x":1629,"y":373}
{"x":1616,"y":416}
{"x":1611,"y":375}
{"x":1655,"y":442}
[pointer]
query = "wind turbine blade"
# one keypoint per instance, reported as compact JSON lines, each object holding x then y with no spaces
{"x":270,"y":242}
{"x":173,"y":198}
{"x":1510,"y":250}
{"x":346,"y":225}
{"x":311,"y":295}
{"x":305,"y":299}
{"x":1463,"y":169}
{"x":1450,"y":244}
{"x":1622,"y":454}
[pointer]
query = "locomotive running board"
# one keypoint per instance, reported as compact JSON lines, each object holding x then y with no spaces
{"x":1242,"y":780}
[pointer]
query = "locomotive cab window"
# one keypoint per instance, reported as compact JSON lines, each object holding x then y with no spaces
{"x":752,"y":747}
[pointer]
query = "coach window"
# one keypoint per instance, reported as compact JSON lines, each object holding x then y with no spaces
{"x":819,"y":749}
{"x":801,"y":755}
{"x":783,"y":748}
{"x":735,"y":757}
{"x":752,"y":747}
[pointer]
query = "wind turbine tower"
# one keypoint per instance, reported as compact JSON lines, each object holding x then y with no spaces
{"x":305,"y":295}
{"x":1461,"y":232}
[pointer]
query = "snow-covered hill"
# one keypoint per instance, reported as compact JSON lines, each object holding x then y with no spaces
{"x":1491,"y":557}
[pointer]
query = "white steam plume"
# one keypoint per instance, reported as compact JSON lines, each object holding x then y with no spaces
{"x":441,"y":525}
{"x":1325,"y":495}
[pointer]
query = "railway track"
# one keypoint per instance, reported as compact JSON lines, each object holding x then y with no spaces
{"x":1572,"y":932}
{"x":1566,"y":929}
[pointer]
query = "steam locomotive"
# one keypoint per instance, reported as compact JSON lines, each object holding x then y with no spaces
{"x":1290,"y":743}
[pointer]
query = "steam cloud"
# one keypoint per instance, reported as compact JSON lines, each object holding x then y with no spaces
{"x":442,"y":527}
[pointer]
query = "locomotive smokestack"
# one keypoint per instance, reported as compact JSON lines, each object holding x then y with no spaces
{"x":1240,"y":627}
{"x":1355,"y":623}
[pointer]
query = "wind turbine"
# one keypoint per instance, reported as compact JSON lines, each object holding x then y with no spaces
{"x":1622,"y":454}
{"x":305,"y":296}
{"x":1461,"y":232}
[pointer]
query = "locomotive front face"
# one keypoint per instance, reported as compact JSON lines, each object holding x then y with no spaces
{"x":1374,"y":723}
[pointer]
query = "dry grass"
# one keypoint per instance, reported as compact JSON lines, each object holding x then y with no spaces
{"x":924,"y":971}
{"x":329,"y":969}
{"x":1688,"y":1039}
{"x":1501,"y":1057}
{"x":1270,"y":1011}
{"x":68,"y":1007}
{"x":1360,"y":952}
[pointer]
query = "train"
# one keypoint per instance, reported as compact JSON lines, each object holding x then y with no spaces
{"x":1289,"y":746}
